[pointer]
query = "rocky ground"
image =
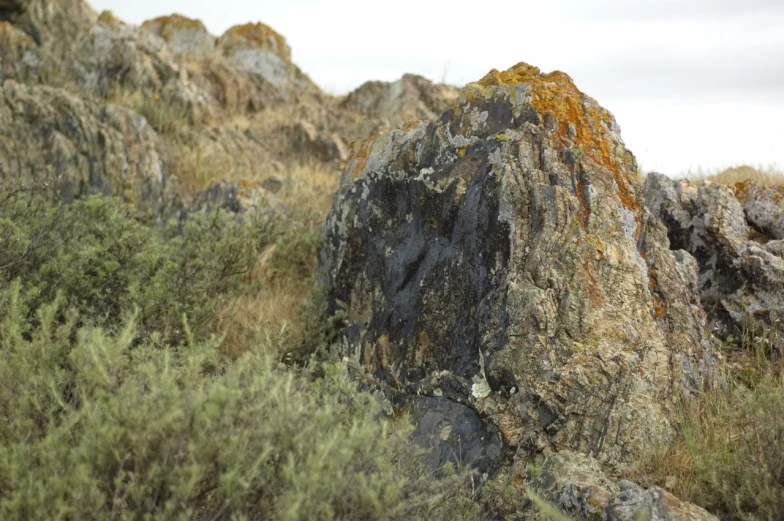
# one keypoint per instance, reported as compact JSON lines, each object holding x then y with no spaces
{"x":491,"y":261}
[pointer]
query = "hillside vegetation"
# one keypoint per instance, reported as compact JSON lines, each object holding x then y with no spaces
{"x":228,"y":295}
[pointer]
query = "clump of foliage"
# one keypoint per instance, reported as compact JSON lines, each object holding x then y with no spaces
{"x":105,"y":426}
{"x":117,"y":404}
{"x":103,"y":260}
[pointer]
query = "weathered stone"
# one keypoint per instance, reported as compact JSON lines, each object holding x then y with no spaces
{"x":88,"y":146}
{"x":53,"y":24}
{"x":19,"y":59}
{"x":576,"y":485}
{"x":115,"y":56}
{"x":508,"y":244}
{"x":654,"y":504}
{"x":733,"y":233}
{"x":259,"y":50}
{"x":411,"y":97}
{"x":454,"y":433}
{"x":237,"y":198}
{"x":184,"y":35}
{"x":764,"y":207}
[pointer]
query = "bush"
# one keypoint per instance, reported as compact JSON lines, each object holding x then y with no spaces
{"x":103,"y":259}
{"x":114,"y":406}
{"x":100,"y":426}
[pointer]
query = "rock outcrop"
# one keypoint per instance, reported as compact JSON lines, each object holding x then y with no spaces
{"x":184,"y":35}
{"x":87,"y":146}
{"x":575,"y":484}
{"x":410,"y":97}
{"x":503,"y":257}
{"x":735,"y":233}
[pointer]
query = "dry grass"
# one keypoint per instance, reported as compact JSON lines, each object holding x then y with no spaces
{"x":274,"y":304}
{"x":283,"y":276}
{"x":766,"y":176}
{"x":728,"y":455}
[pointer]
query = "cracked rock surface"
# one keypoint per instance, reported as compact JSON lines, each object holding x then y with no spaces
{"x":506,"y":250}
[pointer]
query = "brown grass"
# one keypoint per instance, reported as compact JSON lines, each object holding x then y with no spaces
{"x":274,"y":304}
{"x":284,"y":274}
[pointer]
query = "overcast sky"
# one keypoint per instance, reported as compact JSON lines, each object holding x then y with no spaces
{"x":693,"y":83}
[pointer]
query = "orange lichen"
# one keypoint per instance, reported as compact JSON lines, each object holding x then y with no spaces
{"x":581,"y":123}
{"x":256,"y":35}
{"x":360,"y":154}
{"x":742,"y":191}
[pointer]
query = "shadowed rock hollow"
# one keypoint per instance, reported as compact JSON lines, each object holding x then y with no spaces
{"x":502,"y":257}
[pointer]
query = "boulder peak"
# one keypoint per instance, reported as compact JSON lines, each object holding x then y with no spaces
{"x":506,"y":248}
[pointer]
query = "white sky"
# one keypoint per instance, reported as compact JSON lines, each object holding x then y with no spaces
{"x":693,"y":83}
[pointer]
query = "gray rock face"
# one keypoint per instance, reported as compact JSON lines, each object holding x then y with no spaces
{"x":576,"y":485}
{"x":734,"y":233}
{"x":89,"y":147}
{"x":508,"y":246}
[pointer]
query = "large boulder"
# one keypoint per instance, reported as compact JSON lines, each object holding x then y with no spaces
{"x":506,"y":249}
{"x":87,"y":146}
{"x":735,"y":233}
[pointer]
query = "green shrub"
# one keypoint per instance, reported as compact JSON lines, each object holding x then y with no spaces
{"x":115,"y":406}
{"x":109,"y":426}
{"x":103,"y":259}
{"x":736,"y":443}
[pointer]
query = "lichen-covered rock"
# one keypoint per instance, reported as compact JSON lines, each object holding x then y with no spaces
{"x":237,"y":198}
{"x":53,"y":24}
{"x":184,"y":35}
{"x":89,"y":147}
{"x":632,"y":503}
{"x":411,"y":97}
{"x":576,"y":485}
{"x":764,"y":207}
{"x":734,"y":233}
{"x":259,"y":50}
{"x":508,"y":245}
{"x":19,"y":58}
{"x":114,"y":55}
